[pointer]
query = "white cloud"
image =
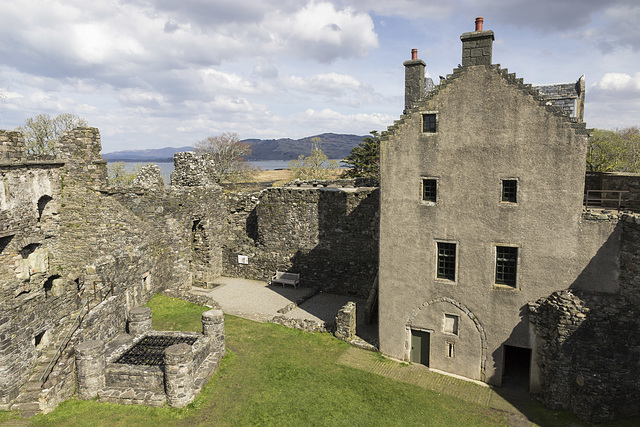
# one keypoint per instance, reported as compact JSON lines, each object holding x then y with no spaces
{"x":319,"y":31}
{"x":618,"y":84}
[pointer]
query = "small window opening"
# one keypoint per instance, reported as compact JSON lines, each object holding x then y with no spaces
{"x":42,"y":203}
{"x":429,"y":190}
{"x":446,"y":261}
{"x":29,"y":249}
{"x":509,"y":190}
{"x":429,"y":123}
{"x":37,"y":339}
{"x":4,"y":242}
{"x":506,"y":265}
{"x":49,"y":283}
{"x":451,"y":324}
{"x":450,"y":349}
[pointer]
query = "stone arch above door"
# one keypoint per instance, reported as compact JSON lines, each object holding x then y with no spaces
{"x":480,"y":329}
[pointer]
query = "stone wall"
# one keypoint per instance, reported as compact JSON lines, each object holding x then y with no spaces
{"x":589,"y":352}
{"x":327,"y":234}
{"x":616,"y":181}
{"x":64,"y":240}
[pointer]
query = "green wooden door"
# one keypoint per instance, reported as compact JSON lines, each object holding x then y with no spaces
{"x":420,"y":347}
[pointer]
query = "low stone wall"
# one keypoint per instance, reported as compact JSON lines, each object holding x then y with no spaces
{"x":616,"y":181}
{"x":185,"y":371}
{"x":589,"y":354}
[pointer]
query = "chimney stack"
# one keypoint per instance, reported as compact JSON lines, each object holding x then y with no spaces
{"x":413,"y":80}
{"x":477,"y":46}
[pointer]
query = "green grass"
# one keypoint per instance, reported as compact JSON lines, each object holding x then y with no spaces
{"x":278,"y":376}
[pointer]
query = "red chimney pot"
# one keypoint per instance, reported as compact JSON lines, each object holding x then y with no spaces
{"x":479,"y":22}
{"x":414,"y":53}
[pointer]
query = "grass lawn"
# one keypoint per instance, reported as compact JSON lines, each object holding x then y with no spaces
{"x":273,"y":375}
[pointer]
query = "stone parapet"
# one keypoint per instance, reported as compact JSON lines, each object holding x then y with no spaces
{"x":213,"y":327}
{"x":178,"y":375}
{"x":140,"y":321}
{"x":346,"y":322}
{"x":90,"y":363}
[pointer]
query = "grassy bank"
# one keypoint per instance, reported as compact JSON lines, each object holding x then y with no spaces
{"x":278,"y":376}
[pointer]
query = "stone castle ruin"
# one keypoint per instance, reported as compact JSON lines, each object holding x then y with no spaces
{"x":78,"y":257}
{"x":487,"y":263}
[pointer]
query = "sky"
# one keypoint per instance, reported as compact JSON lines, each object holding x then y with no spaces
{"x":160,"y":73}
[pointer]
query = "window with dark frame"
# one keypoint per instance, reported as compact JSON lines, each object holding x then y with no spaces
{"x":429,"y":190}
{"x":429,"y":123}
{"x":446,"y":261}
{"x":506,"y":265}
{"x":509,"y":190}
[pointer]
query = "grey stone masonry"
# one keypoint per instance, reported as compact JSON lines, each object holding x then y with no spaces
{"x":414,"y":84}
{"x":178,"y":375}
{"x":346,"y":322}
{"x":149,"y":178}
{"x":477,"y":48}
{"x":139,"y":321}
{"x":90,"y":364}
{"x":213,"y":326}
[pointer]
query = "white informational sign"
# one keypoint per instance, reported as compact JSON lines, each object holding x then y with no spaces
{"x":243,"y":259}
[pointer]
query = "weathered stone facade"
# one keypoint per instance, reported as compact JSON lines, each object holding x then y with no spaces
{"x":446,"y":223}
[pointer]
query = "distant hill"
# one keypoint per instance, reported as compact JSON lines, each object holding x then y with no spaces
{"x":149,"y":155}
{"x":335,"y":146}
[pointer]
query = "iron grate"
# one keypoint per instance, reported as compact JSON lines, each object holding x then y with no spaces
{"x":149,"y":350}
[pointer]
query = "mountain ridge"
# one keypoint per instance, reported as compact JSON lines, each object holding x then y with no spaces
{"x":334,"y":146}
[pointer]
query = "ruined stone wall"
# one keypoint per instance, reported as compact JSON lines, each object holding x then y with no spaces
{"x":589,"y":354}
{"x":588,"y":343}
{"x":327,"y":234}
{"x":64,"y":241}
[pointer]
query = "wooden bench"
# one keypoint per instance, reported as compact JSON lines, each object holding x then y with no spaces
{"x":286,"y":278}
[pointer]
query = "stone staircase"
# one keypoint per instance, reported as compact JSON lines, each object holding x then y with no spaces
{"x":32,"y":398}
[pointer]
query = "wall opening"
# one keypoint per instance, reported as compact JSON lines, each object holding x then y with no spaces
{"x":42,"y":203}
{"x":4,"y":242}
{"x":420,"y":347}
{"x":517,"y":366}
{"x":28,"y":250}
{"x":48,"y":284}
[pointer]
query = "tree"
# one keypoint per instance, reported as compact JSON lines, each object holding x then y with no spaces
{"x":119,"y":176}
{"x":42,"y":132}
{"x":228,"y":154}
{"x":364,"y":160}
{"x":316,"y":166}
{"x":614,"y":150}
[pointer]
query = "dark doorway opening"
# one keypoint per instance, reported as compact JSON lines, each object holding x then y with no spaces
{"x":420,"y":346}
{"x":517,"y":364}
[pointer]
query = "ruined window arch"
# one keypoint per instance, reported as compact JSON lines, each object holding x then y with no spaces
{"x":42,"y":203}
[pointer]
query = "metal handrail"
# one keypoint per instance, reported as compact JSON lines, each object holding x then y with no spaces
{"x":65,"y":338}
{"x":619,"y":199}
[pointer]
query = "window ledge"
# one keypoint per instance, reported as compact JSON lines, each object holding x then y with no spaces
{"x":505,"y":287}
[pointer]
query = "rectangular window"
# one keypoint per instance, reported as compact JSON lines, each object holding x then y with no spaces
{"x":446,"y":261}
{"x":429,"y":123}
{"x":451,"y":324}
{"x":509,"y":190}
{"x":450,"y":349}
{"x":506,"y":265}
{"x":429,"y":190}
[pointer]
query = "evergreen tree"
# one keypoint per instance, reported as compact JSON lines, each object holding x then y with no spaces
{"x":364,"y":160}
